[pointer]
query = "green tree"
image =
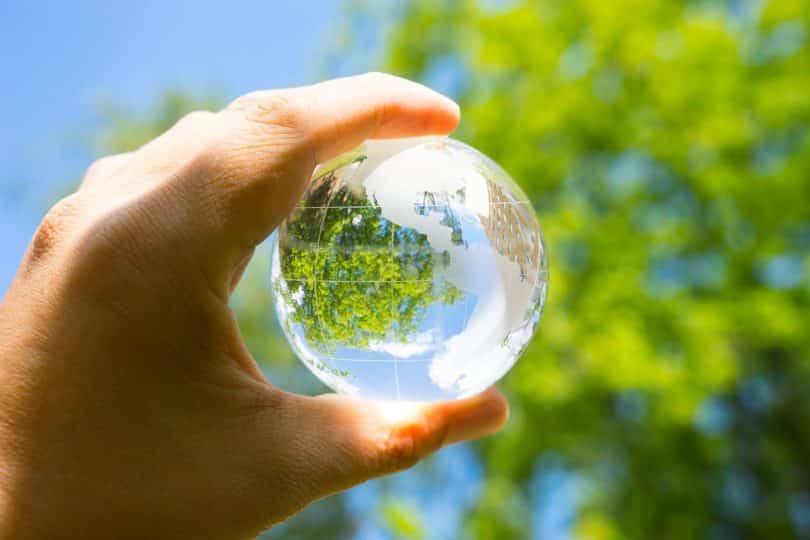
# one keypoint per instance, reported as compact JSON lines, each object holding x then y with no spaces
{"x":666,"y":148}
{"x":349,"y":276}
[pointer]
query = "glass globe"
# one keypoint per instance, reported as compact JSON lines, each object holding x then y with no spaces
{"x":411,"y":269}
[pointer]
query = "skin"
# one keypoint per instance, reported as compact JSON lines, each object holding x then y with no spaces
{"x":129,"y":404}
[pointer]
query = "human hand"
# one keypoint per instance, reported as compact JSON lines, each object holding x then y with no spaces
{"x":129,"y":404}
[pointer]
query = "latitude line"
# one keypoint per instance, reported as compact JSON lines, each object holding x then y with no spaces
{"x":495,"y":203}
{"x":377,"y":360}
{"x":363,"y":280}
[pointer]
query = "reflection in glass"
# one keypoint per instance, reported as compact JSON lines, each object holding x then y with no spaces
{"x":411,"y":269}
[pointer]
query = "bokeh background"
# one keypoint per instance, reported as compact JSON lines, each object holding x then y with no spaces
{"x":666,"y":148}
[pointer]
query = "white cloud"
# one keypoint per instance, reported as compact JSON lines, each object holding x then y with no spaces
{"x":417,"y":344}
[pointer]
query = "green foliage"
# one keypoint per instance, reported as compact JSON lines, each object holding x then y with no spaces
{"x":402,"y":520}
{"x":665,"y":146}
{"x":352,"y":276}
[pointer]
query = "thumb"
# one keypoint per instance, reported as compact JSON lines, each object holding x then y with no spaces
{"x":338,"y":441}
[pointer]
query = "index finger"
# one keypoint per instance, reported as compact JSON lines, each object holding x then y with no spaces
{"x":337,"y":115}
{"x":260,"y":169}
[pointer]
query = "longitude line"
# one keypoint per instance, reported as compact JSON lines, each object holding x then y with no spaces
{"x":325,"y":209}
{"x":396,"y":360}
{"x":317,"y":250}
{"x":317,"y":253}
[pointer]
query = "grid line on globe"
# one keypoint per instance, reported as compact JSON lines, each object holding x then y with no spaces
{"x":411,"y":270}
{"x":317,"y":248}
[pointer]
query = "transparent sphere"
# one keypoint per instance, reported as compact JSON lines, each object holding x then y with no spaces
{"x":411,"y":269}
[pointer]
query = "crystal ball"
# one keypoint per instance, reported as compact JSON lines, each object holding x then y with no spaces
{"x":411,"y":269}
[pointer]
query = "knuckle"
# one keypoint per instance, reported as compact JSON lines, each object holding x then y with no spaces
{"x":104,"y":167}
{"x":384,"y":111}
{"x":99,"y":166}
{"x":398,"y":453}
{"x":56,"y":224}
{"x":81,"y":235}
{"x":379,"y":77}
{"x":66,"y":208}
{"x":274,"y":108}
{"x":196,"y":119}
{"x":403,"y":448}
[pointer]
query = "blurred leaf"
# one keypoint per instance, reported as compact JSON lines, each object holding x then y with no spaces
{"x":402,"y":519}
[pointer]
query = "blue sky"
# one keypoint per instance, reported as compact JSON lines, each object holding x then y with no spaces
{"x":60,"y":60}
